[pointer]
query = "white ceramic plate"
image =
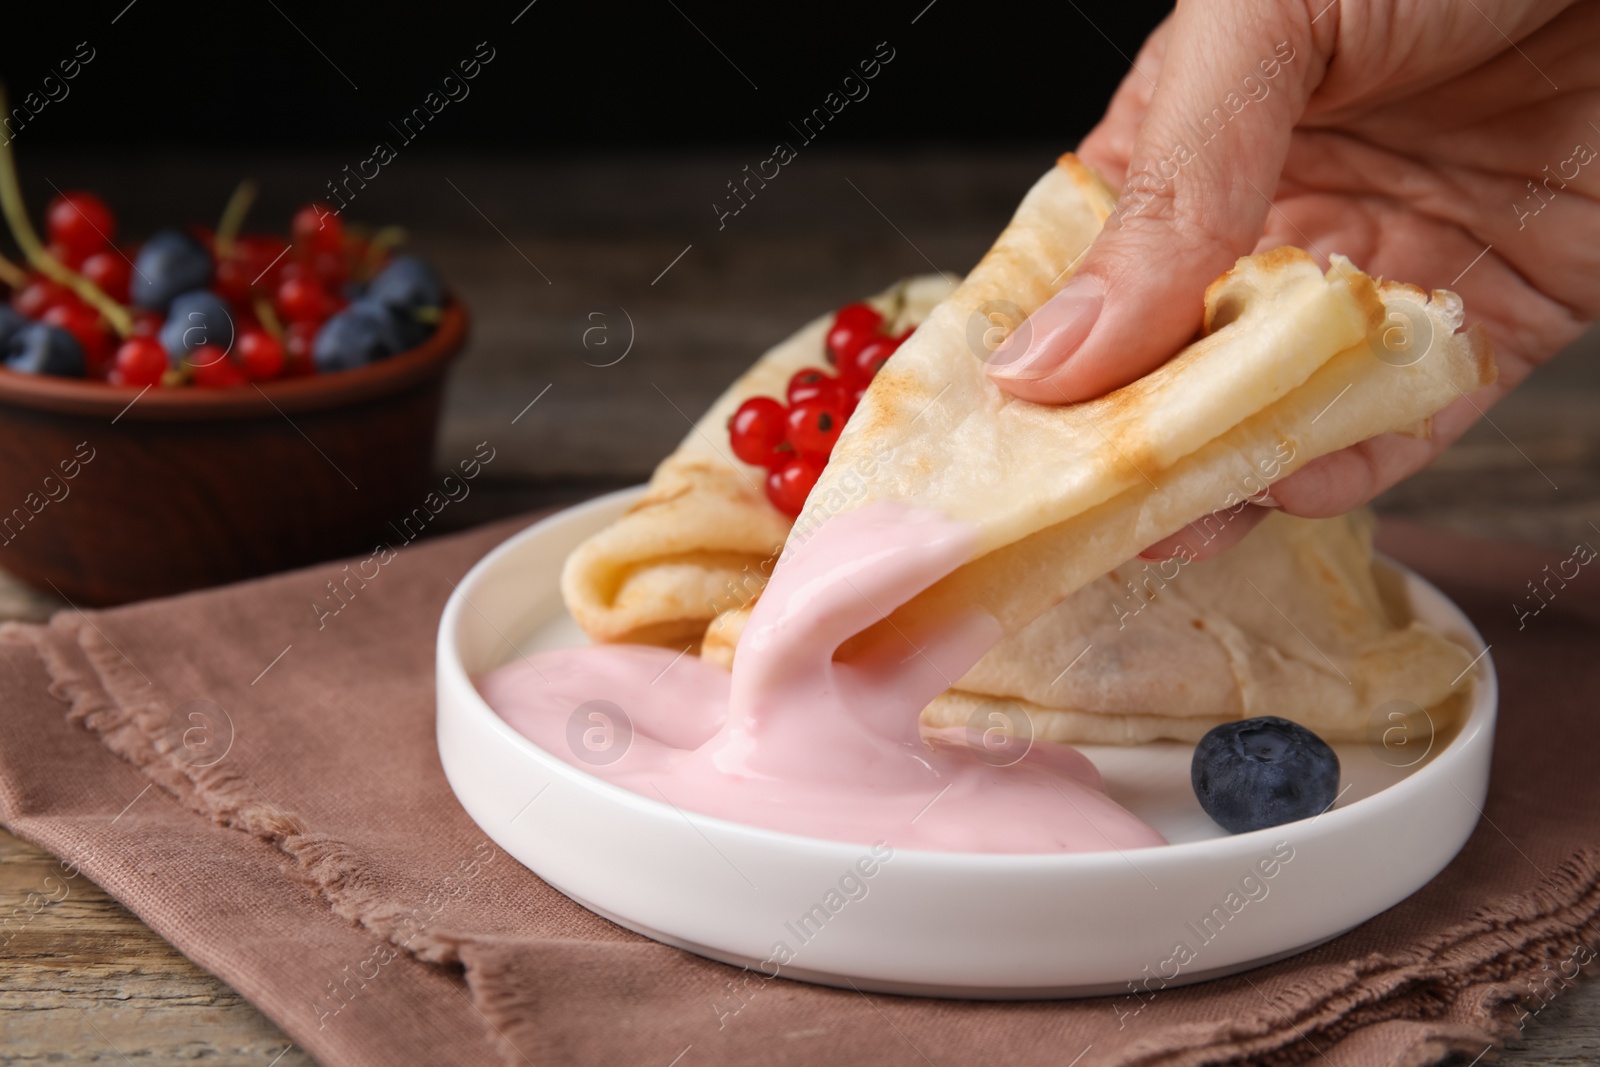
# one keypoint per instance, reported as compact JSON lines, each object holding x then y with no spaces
{"x":941,"y":923}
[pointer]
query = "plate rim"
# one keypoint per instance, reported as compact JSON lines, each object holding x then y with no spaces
{"x":1481,"y":715}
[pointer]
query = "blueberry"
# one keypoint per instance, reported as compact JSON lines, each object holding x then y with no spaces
{"x":168,"y":264}
{"x":413,"y":331}
{"x":40,"y":348}
{"x":411,"y":289}
{"x":407,"y":283}
{"x":360,"y":334}
{"x":10,"y":322}
{"x":1263,"y":772}
{"x":197,"y":318}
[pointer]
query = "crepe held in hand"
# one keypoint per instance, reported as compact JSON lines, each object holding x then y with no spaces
{"x":704,"y":526}
{"x":1293,"y":363}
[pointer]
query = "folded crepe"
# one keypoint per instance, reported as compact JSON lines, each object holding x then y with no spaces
{"x":704,"y":537}
{"x":1294,"y":363}
{"x":1292,"y":621}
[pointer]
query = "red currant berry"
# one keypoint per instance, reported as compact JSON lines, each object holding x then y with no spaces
{"x":870,"y":358}
{"x":297,"y":342}
{"x":256,"y":265}
{"x":80,"y":223}
{"x":38,"y":295}
{"x":855,"y":400}
{"x":303,"y":300}
{"x":233,"y":282}
{"x":141,"y":361}
{"x":110,"y":272}
{"x":811,"y":384}
{"x":147,"y":323}
{"x":789,"y":485}
{"x":853,"y":326}
{"x":331,"y":268}
{"x":211,"y":367}
{"x":87,"y":328}
{"x":317,"y":228}
{"x":814,"y":426}
{"x":67,"y":257}
{"x":260,"y":354}
{"x":205,"y":356}
{"x":259,"y":250}
{"x":757,"y":430}
{"x":861,"y":316}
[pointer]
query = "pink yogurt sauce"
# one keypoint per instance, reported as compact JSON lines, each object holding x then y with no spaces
{"x":798,"y":741}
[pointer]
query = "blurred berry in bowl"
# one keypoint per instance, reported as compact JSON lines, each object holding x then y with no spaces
{"x":211,"y":404}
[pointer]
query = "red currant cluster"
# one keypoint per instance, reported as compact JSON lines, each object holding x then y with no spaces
{"x":80,"y":227}
{"x":793,"y":441}
{"x":272,"y":295}
{"x":294,"y":285}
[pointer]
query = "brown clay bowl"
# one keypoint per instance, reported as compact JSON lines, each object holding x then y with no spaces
{"x":106,"y":499}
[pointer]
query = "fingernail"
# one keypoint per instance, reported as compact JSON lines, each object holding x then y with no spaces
{"x":1050,"y":335}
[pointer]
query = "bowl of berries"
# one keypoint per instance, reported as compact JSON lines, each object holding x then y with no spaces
{"x":212,"y":403}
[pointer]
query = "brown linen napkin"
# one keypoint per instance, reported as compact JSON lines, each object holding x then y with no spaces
{"x":252,"y":771}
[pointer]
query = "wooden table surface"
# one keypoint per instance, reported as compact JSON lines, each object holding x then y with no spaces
{"x":627,"y":248}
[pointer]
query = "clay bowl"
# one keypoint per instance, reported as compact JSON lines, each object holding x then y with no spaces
{"x":105,"y":498}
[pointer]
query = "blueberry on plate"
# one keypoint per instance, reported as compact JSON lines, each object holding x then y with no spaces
{"x":196,"y":318}
{"x":40,"y":348}
{"x":1263,"y":772}
{"x":10,"y":322}
{"x":168,"y":264}
{"x":362,"y":333}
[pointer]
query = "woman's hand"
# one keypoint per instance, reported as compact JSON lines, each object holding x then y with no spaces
{"x":1447,"y":145}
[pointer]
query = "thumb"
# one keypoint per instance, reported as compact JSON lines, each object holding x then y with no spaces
{"x":1234,"y":80}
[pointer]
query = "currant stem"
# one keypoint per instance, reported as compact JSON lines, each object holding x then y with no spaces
{"x":385,"y":239}
{"x":16,"y":213}
{"x":233,"y":216}
{"x":268,"y":318}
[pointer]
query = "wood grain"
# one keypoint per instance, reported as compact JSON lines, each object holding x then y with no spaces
{"x":84,"y":981}
{"x":540,"y":249}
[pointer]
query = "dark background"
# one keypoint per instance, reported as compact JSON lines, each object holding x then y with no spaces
{"x":186,"y":76}
{"x":580,"y":182}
